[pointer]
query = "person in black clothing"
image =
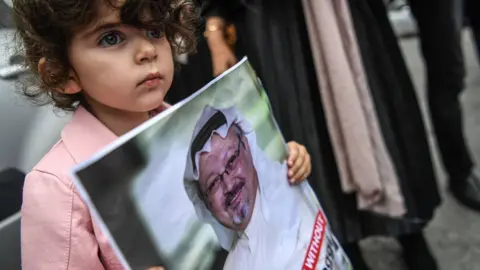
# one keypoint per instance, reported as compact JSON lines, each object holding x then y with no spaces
{"x":273,"y":34}
{"x":472,"y":12}
{"x":440,"y":26}
{"x":11,"y":186}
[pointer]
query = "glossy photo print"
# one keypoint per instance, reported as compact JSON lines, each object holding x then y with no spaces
{"x":209,"y":173}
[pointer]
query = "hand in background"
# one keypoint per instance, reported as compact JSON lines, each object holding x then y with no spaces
{"x":223,"y":57}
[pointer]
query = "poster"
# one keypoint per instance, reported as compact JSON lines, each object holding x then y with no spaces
{"x":208,"y":173}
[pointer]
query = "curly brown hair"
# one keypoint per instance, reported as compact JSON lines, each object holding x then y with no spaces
{"x":45,"y":29}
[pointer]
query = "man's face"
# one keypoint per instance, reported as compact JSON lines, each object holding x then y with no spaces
{"x":228,"y":180}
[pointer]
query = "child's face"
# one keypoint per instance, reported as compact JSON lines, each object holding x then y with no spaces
{"x":120,"y":66}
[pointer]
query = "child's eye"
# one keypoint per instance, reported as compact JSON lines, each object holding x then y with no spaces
{"x":154,"y":33}
{"x":110,"y":39}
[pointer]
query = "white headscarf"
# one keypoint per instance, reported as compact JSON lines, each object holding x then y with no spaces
{"x":224,"y":119}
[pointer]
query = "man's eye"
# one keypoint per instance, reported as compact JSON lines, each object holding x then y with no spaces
{"x":231,"y":161}
{"x":154,"y":33}
{"x":214,"y":182}
{"x":110,"y":39}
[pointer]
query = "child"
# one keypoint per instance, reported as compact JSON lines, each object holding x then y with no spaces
{"x":111,"y":63}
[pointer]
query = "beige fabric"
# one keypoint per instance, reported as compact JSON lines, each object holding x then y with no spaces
{"x":364,"y":162}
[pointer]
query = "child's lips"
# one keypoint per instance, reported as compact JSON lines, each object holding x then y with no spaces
{"x":152,"y":80}
{"x":151,"y":83}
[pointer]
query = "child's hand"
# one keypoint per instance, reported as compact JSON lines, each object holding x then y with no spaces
{"x":299,"y":163}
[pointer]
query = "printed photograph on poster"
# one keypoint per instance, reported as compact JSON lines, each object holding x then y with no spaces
{"x":209,"y":173}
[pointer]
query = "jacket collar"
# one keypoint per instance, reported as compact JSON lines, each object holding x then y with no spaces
{"x":85,"y":135}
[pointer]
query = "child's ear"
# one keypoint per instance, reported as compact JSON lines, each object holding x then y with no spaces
{"x":72,"y":86}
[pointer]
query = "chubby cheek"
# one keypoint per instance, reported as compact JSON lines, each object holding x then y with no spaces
{"x":104,"y":78}
{"x":166,"y":65}
{"x":112,"y":90}
{"x":108,"y":80}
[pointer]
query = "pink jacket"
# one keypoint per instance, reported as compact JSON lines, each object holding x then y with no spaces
{"x":57,"y":229}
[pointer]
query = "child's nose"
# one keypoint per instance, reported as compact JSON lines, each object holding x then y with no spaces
{"x":146,"y":51}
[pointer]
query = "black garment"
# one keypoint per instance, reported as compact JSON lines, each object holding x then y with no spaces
{"x":416,"y":252}
{"x":440,"y":36}
{"x":272,"y":33}
{"x":472,"y":10}
{"x":400,"y":121}
{"x":192,"y":76}
{"x":11,"y":189}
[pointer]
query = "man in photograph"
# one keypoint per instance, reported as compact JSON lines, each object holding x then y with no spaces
{"x":262,"y":220}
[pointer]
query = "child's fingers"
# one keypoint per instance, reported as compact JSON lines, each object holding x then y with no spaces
{"x":293,"y":152}
{"x":307,"y":173}
{"x":303,"y":170}
{"x":297,"y":164}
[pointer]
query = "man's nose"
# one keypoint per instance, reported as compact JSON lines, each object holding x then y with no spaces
{"x":146,"y":51}
{"x":228,"y":182}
